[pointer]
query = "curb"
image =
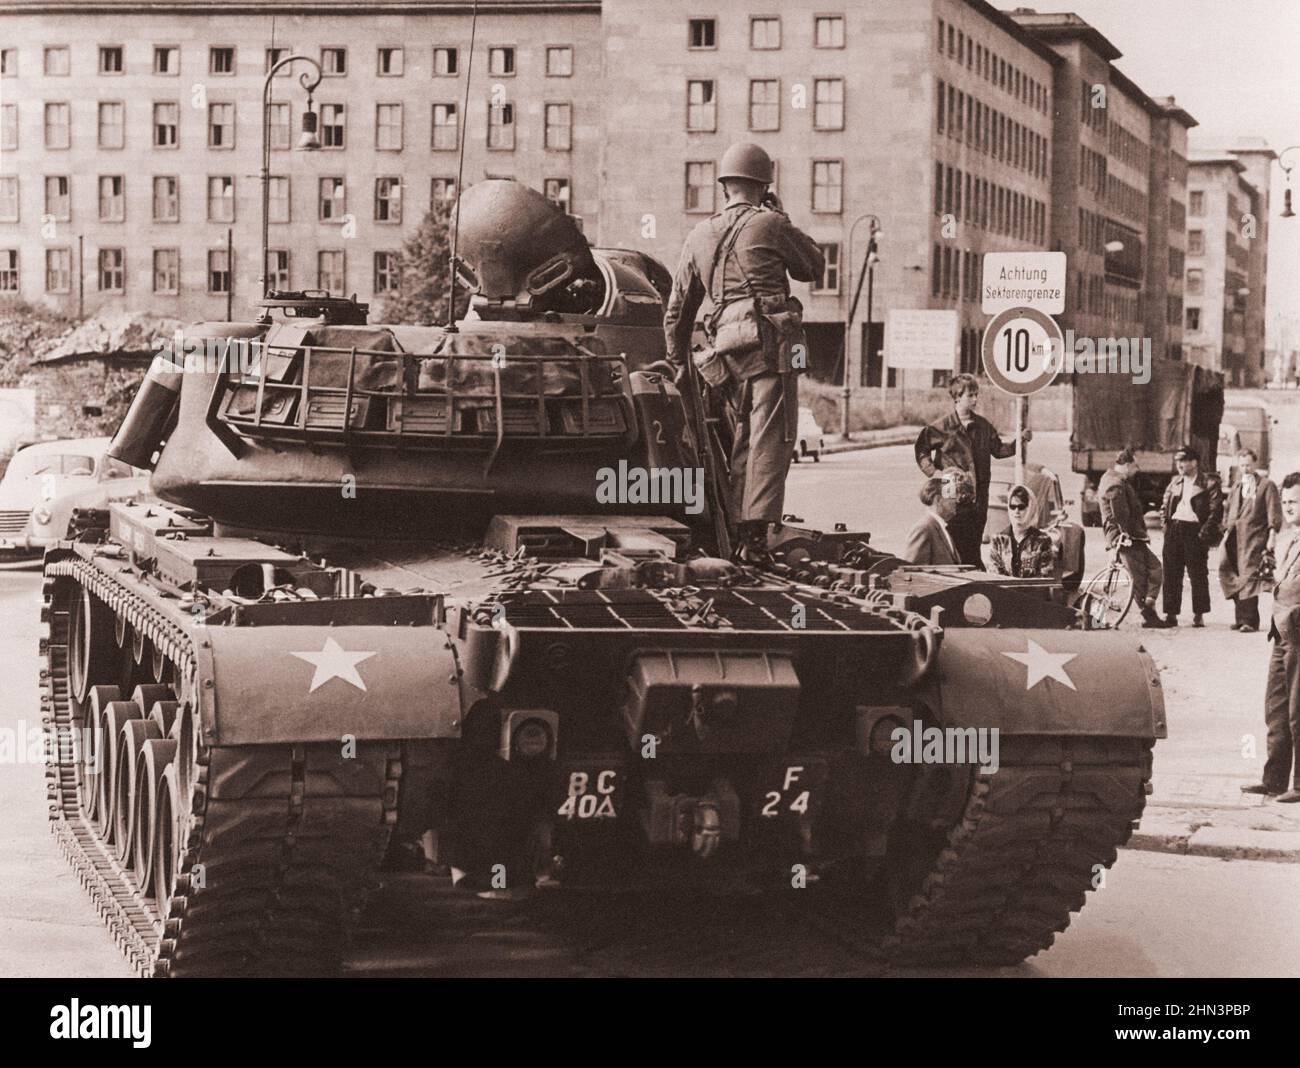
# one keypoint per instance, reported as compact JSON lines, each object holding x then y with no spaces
{"x":1200,"y":838}
{"x":903,"y":435}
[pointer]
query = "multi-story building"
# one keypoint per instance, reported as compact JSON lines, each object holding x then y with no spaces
{"x":1118,"y":190}
{"x":134,"y":132}
{"x":131,"y":140}
{"x":1226,"y":261}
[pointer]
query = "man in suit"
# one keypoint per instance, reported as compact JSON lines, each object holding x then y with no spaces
{"x":1192,"y":517}
{"x":1126,"y":532}
{"x":1253,"y":518}
{"x":967,"y":441}
{"x":1282,"y":691}
{"x":929,"y":542}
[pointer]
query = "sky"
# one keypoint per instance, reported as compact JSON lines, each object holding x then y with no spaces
{"x":1235,"y":66}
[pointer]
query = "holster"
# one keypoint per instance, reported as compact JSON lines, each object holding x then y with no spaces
{"x":711,"y":366}
{"x":782,"y":320}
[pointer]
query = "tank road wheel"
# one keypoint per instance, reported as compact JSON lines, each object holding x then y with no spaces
{"x":90,"y":747}
{"x":166,"y":856}
{"x":149,"y":694}
{"x":90,"y":652}
{"x":115,"y":717}
{"x":135,"y":732}
{"x":155,"y":756}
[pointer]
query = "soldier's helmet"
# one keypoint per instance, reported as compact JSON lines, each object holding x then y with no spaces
{"x":745,"y":159}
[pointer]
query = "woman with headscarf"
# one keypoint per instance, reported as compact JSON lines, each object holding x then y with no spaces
{"x":1022,"y":550}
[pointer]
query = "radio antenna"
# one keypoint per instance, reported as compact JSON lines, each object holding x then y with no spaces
{"x":460,"y":174}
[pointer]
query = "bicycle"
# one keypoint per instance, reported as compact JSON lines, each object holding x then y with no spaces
{"x":1108,"y":595}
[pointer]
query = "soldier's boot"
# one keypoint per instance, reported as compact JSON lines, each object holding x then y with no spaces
{"x":751,"y":542}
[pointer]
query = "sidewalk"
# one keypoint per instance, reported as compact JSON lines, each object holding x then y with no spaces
{"x":872,"y":439}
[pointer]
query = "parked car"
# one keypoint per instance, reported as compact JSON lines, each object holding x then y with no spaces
{"x":808,"y":437}
{"x":1245,"y":425}
{"x":46,"y":481}
{"x":1051,"y":518}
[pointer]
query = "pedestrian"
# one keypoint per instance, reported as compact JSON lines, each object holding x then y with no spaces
{"x":1282,"y":690}
{"x":966,"y":440}
{"x":1192,"y":517}
{"x":1022,"y":550}
{"x":1253,"y":518}
{"x":1124,"y":527}
{"x":740,"y":259}
{"x":930,"y":541}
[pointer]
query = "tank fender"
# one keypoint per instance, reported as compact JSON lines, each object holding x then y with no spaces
{"x":1016,"y":681}
{"x":282,"y":684}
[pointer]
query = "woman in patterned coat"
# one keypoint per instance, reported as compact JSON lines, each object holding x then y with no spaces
{"x":1022,"y":550}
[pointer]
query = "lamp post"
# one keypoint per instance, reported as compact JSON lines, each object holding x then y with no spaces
{"x":1287,"y":213}
{"x":308,"y":142}
{"x":868,"y":273}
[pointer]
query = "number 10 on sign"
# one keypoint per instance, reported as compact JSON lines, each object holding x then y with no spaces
{"x":1019,"y":351}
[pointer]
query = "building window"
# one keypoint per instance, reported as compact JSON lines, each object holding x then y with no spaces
{"x":391,"y":62}
{"x":764,"y":104}
{"x":1195,"y":283}
{"x":444,"y":62}
{"x":701,"y":106}
{"x":8,"y":270}
{"x":501,"y":61}
{"x":501,"y":126}
{"x":8,"y":126}
{"x":559,"y":127}
{"x":166,"y":270}
{"x":442,"y":191}
{"x":110,"y":59}
{"x":1196,"y":203}
{"x":828,"y":184}
{"x":273,"y":56}
{"x":112,"y":119}
{"x":112,"y":198}
{"x":333,"y":200}
{"x":330,"y":271}
{"x":445,"y":129}
{"x":332,"y":125}
{"x":558,"y":192}
{"x":166,"y":199}
{"x":218,"y":270}
{"x":388,"y":200}
{"x":277,"y":269}
{"x":9,"y":198}
{"x":1196,"y":242}
{"x":280,"y":123}
{"x":334,"y":62}
{"x":221,"y":125}
{"x":58,"y":199}
{"x":699,"y":187}
{"x":8,"y":63}
{"x":830,"y":279}
{"x":166,"y":124}
{"x":828,"y":31}
{"x":58,"y":270}
{"x":221,"y":60}
{"x":58,"y":61}
{"x":221,"y":198}
{"x":278,"y":199}
{"x":1193,"y":319}
{"x":387,"y":271}
{"x":58,"y":127}
{"x":765,"y":31}
{"x":828,"y":104}
{"x":112,"y":270}
{"x":703,"y":33}
{"x":559,"y":61}
{"x":388,"y":127}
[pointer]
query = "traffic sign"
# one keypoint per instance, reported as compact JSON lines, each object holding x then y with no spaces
{"x":1023,"y":280}
{"x":1017,"y":350}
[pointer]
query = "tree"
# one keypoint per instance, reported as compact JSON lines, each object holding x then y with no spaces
{"x":421,"y":294}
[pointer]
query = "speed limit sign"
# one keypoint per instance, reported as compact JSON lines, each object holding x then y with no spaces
{"x":1018,"y":351}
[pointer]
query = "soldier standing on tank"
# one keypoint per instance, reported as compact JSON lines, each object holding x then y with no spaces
{"x":740,"y":259}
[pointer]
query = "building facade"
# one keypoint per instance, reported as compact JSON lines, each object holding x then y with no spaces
{"x":130,"y":148}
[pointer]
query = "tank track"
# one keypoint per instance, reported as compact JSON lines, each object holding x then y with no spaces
{"x":279,"y":845}
{"x":1032,"y":840}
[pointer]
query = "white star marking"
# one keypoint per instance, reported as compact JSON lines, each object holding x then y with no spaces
{"x":334,"y":662}
{"x":1044,"y":665}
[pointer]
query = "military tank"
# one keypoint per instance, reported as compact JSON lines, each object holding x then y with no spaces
{"x":466,"y":584}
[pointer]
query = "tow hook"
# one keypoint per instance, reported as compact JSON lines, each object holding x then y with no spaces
{"x":703,"y":823}
{"x":708,"y":829}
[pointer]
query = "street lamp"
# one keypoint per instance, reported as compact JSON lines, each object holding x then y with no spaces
{"x":1287,"y":213}
{"x":307,"y":142}
{"x":868,"y":273}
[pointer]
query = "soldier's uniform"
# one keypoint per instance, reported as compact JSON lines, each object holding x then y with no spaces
{"x":740,"y":259}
